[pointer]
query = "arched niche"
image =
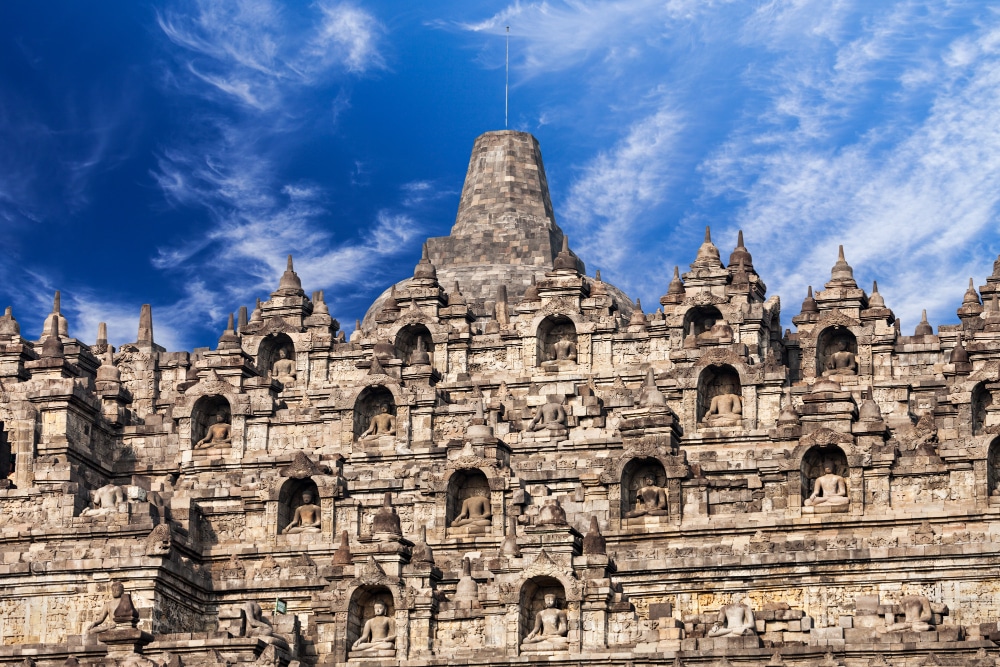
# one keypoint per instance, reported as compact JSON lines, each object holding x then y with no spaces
{"x":206,"y":412}
{"x":362,"y":609}
{"x":703,"y":318}
{"x":533,"y":602}
{"x":406,"y":342}
{"x":270,"y":350}
{"x":368,"y":405}
{"x":557,"y":344}
{"x":836,"y":352}
{"x":993,"y":470}
{"x":814,"y":462}
{"x":292,"y":495}
{"x":982,"y":398}
{"x":645,"y":475}
{"x":720,"y":396}
{"x":469,"y":487}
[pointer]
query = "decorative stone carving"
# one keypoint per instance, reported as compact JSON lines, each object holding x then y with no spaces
{"x":158,"y":542}
{"x":343,"y":556}
{"x":551,"y":514}
{"x":594,"y":544}
{"x":104,"y":500}
{"x":386,"y":521}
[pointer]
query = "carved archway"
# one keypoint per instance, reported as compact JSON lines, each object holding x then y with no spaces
{"x":703,"y":318}
{"x":993,"y":469}
{"x":406,"y":342}
{"x":635,"y":475}
{"x":982,"y":398}
{"x":532,"y":600}
{"x":362,"y":608}
{"x":464,"y":484}
{"x":270,"y":351}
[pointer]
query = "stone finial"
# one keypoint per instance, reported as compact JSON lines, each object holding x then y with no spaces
{"x":531,"y":292}
{"x":594,"y":544}
{"x":809,"y":304}
{"x":62,"y":325}
{"x":52,"y":347}
{"x":509,"y":546}
{"x":741,"y":255}
{"x":842,"y":274}
{"x":651,"y":396}
{"x":708,"y":255}
{"x":501,"y":309}
{"x":424,"y":269}
{"x":257,"y":315}
{"x":145,"y":334}
{"x":102,"y":334}
{"x":319,"y":303}
{"x":9,"y":328}
{"x":875,"y":300}
{"x":924,"y":328}
{"x":107,"y":371}
{"x":597,"y":286}
{"x":467,"y":589}
{"x":229,"y":340}
{"x":376,"y":367}
{"x":740,"y":277}
{"x":391,"y":304}
{"x":691,"y":339}
{"x":342,"y":556}
{"x":241,"y":319}
{"x":971,"y":306}
{"x":565,"y":260}
{"x":455,"y":297}
{"x":422,"y":552}
{"x":386,"y":520}
{"x":675,"y":291}
{"x":869,"y":410}
{"x":788,"y":416}
{"x":289,"y":281}
{"x":959,"y":355}
{"x":638,"y":318}
{"x":419,"y":356}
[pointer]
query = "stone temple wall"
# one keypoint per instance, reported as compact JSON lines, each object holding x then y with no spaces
{"x":549,"y":477}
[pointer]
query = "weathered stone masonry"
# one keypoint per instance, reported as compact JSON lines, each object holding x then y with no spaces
{"x":510,"y":462}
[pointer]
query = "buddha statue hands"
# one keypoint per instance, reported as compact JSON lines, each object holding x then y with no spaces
{"x":551,"y":416}
{"x":104,"y":500}
{"x":724,"y":410}
{"x":917,"y":613}
{"x":841,"y":361}
{"x":284,"y":368}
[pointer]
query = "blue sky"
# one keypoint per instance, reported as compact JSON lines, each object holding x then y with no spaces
{"x":173,"y":153}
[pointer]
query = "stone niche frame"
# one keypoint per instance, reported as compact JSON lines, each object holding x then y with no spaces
{"x":300,"y":475}
{"x":185,"y":414}
{"x":726,"y":375}
{"x":21,"y":429}
{"x":362,"y":592}
{"x":550,"y":329}
{"x":268,"y":348}
{"x":497,"y":482}
{"x":993,"y":472}
{"x":827,"y":440}
{"x":366,"y":404}
{"x":698,"y":314}
{"x":675,"y":469}
{"x":405,"y":341}
{"x":826,"y":342}
{"x":809,"y":342}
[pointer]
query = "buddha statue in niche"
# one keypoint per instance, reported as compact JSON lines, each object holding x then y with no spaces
{"x":378,"y":634}
{"x":724,"y":410}
{"x":475,"y":513}
{"x":219,"y":434}
{"x":829,"y":490}
{"x":650,"y":500}
{"x":551,"y":415}
{"x":550,"y":629}
{"x":840,"y":361}
{"x":307,"y":517}
{"x":917,"y":616}
{"x":382,"y":423}
{"x":283,"y":369}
